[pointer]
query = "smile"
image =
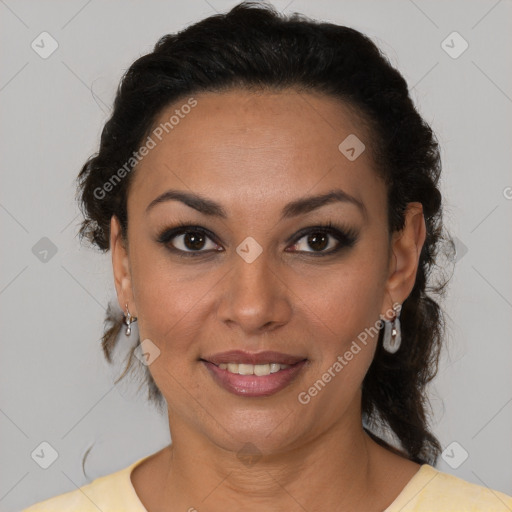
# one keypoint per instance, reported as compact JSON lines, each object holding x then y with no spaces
{"x":253,"y":369}
{"x":254,"y":380}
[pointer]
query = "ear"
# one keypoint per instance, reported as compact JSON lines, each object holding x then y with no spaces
{"x":121,"y":267}
{"x":405,"y":251}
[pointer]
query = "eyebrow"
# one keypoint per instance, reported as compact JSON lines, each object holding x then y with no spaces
{"x":293,"y":209}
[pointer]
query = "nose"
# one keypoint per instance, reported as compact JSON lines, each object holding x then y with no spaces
{"x":254,"y":297}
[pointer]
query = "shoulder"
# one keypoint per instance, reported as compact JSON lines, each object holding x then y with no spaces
{"x":435,"y":491}
{"x":109,"y":493}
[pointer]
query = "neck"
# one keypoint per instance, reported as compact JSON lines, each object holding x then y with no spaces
{"x":203,"y":475}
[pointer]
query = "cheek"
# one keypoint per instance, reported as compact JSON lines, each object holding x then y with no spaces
{"x":342,"y":316}
{"x":344,"y":300}
{"x":170,"y":299}
{"x":172,"y":305}
{"x":342,"y":312}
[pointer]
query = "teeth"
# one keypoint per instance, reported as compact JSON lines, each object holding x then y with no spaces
{"x":275,"y":367}
{"x":261,"y":369}
{"x":253,"y":369}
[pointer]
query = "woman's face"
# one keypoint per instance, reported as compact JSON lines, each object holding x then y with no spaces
{"x":257,"y":274}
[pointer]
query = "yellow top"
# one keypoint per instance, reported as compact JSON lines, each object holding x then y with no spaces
{"x":429,"y":490}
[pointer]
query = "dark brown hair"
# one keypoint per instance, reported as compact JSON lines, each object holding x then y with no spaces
{"x":253,"y":46}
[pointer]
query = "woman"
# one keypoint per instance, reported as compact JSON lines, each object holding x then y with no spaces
{"x":270,"y":197}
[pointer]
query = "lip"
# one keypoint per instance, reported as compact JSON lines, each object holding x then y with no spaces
{"x":242,"y":357}
{"x":252,"y":385}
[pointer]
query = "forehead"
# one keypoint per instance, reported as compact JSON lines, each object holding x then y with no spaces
{"x":256,"y":144}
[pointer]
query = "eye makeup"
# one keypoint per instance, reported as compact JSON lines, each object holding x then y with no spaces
{"x":345,"y":238}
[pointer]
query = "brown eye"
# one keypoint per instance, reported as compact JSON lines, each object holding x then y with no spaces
{"x":323,"y":240}
{"x":317,"y":241}
{"x":188,"y":240}
{"x":194,"y":241}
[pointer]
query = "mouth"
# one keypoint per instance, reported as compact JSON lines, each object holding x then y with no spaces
{"x":256,"y":374}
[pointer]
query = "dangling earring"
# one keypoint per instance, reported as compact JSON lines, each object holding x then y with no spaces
{"x":392,"y":332}
{"x":128,"y":319}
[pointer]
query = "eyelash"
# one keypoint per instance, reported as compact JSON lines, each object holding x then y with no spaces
{"x":346,"y":238}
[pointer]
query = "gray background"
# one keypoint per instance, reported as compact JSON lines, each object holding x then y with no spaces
{"x":55,"y":386}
